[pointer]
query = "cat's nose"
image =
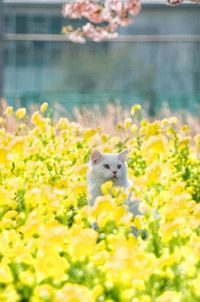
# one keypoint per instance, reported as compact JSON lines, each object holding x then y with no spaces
{"x":114,"y":172}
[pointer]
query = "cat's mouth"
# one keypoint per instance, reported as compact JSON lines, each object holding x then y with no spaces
{"x":115,"y":176}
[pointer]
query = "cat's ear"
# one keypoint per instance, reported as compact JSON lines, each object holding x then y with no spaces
{"x":95,"y":156}
{"x":123,"y":155}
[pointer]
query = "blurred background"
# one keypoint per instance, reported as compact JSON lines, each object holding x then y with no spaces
{"x":155,"y":60}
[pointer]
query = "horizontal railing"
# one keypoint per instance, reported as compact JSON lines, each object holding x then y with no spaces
{"x":121,"y":38}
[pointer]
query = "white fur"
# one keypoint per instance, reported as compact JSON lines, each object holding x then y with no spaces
{"x":98,"y":174}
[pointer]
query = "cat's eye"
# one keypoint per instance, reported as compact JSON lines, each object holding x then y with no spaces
{"x":119,"y":166}
{"x":106,"y":166}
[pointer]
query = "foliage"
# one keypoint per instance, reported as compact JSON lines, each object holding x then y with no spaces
{"x":54,"y":248}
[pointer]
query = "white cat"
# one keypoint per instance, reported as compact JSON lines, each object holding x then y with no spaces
{"x":104,"y":167}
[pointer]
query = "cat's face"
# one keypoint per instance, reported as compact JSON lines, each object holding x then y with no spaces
{"x":109,"y":166}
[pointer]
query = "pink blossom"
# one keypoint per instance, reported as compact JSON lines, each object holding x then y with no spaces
{"x":74,"y":10}
{"x":113,"y":13}
{"x":76,"y":37}
{"x":94,"y":13}
{"x":174,"y":2}
{"x":133,"y":7}
{"x":98,"y":34}
{"x":110,"y":14}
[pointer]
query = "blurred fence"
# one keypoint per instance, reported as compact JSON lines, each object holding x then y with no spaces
{"x":154,"y":60}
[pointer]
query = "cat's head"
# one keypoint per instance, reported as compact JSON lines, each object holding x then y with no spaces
{"x":109,"y":166}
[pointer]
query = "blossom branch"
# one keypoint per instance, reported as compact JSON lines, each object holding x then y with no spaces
{"x":102,"y":17}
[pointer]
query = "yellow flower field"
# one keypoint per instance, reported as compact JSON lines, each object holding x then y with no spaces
{"x":49,"y":247}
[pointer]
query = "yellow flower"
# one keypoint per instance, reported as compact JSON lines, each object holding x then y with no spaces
{"x":9,"y":110}
{"x":165,"y":122}
{"x":120,"y":196}
{"x":10,"y":294}
{"x":66,"y":251}
{"x":106,"y":187}
{"x":74,"y":293}
{"x":104,"y":137}
{"x":173,"y":120}
{"x":89,"y":133}
{"x":44,"y":292}
{"x":79,"y":239}
{"x":185,"y":128}
{"x":27,"y":277}
{"x":101,"y":203}
{"x":48,"y":263}
{"x":79,"y":188}
{"x":153,"y":172}
{"x":44,"y":107}
{"x":37,"y":119}
{"x":36,"y":196}
{"x":153,"y":128}
{"x":138,"y":222}
{"x":83,"y":170}
{"x":5,"y":273}
{"x":3,"y":155}
{"x":154,"y":147}
{"x":195,"y":286}
{"x":197,"y":141}
{"x":127,"y":295}
{"x":62,"y":124}
{"x":17,"y":146}
{"x":97,"y":291}
{"x":134,"y":128}
{"x":107,"y":149}
{"x":184,"y":142}
{"x":135,"y":108}
{"x":119,"y":126}
{"x":20,"y":113}
{"x":144,"y":123}
{"x":127,"y":123}
{"x":169,"y":296}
